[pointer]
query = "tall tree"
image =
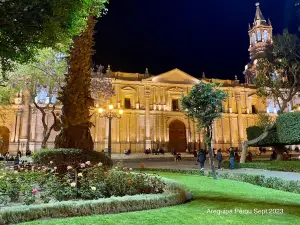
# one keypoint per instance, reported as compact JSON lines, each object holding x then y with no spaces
{"x":204,"y":103}
{"x":278,"y":78}
{"x":41,"y":80}
{"x":28,"y":25}
{"x":76,"y":94}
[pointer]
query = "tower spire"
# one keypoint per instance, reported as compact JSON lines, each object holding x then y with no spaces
{"x":259,"y":18}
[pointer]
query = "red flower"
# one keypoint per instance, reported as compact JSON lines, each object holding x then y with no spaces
{"x":35,"y":191}
{"x":142,"y":165}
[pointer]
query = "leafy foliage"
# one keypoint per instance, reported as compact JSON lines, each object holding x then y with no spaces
{"x":284,"y":132}
{"x":255,"y":131}
{"x":204,"y":103}
{"x":76,"y":94}
{"x":70,"y":157}
{"x":278,"y":77}
{"x":46,"y":71}
{"x":30,"y":25}
{"x":265,"y":121}
{"x":288,"y":127}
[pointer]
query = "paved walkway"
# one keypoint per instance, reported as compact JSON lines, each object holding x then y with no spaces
{"x":189,"y":164}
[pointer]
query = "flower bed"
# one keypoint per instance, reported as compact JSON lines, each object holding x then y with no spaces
{"x":174,"y":194}
{"x":50,"y":194}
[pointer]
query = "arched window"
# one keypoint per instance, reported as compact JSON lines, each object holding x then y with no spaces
{"x":258,"y":35}
{"x":266,"y":35}
{"x":253,"y":39}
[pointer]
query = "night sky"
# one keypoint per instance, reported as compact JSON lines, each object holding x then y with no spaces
{"x":193,"y":35}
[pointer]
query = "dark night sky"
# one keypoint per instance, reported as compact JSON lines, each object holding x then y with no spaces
{"x":192,"y":35}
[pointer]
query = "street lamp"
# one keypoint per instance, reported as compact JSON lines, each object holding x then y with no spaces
{"x":110,"y":114}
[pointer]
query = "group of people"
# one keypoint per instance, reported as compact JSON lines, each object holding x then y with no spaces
{"x":201,"y":157}
{"x":7,"y":157}
{"x":218,"y":156}
{"x":157,"y":151}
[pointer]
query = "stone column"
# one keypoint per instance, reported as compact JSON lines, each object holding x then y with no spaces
{"x":32,"y":129}
{"x":33,"y":124}
{"x":25,"y":122}
{"x":165,"y":127}
{"x":240,"y":119}
{"x":147,"y":117}
{"x":12,"y":137}
{"x":18,"y":121}
{"x":137,"y":128}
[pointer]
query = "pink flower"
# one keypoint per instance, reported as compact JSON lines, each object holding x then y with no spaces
{"x":88,"y":163}
{"x":125,"y":168}
{"x":105,"y":173}
{"x":82,"y":165}
{"x":55,"y":168}
{"x":69,"y":167}
{"x":35,"y":191}
{"x":130,"y":169}
{"x":51,"y":162}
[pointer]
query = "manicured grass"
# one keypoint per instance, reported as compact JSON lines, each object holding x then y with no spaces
{"x":287,"y":166}
{"x":209,"y":195}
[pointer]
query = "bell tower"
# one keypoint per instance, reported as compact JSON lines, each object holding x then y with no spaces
{"x":261,"y":40}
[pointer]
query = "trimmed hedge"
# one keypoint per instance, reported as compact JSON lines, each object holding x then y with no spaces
{"x":259,"y":180}
{"x":262,"y":181}
{"x":288,"y":127}
{"x":285,"y":132}
{"x":175,"y":194}
{"x":183,"y":171}
{"x":286,"y":166}
{"x":255,"y":131}
{"x":70,"y":157}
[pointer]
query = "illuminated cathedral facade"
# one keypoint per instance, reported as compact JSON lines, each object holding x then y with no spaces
{"x":152,"y":116}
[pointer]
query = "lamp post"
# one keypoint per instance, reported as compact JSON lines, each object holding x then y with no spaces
{"x":110,"y":114}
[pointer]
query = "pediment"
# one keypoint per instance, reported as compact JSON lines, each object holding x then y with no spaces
{"x":175,"y":76}
{"x":176,"y":89}
{"x":128,"y":89}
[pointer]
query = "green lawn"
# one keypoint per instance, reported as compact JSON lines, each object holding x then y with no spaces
{"x":209,"y":195}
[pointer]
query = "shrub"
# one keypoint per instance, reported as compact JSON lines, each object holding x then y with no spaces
{"x":70,"y":157}
{"x":255,"y":131}
{"x":17,"y":214}
{"x":287,"y":166}
{"x":288,"y":126}
{"x":262,"y":181}
{"x":121,"y":183}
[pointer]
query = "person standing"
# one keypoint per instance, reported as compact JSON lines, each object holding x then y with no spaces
{"x":219,"y":158}
{"x":202,"y":158}
{"x":231,"y":156}
{"x":195,"y":156}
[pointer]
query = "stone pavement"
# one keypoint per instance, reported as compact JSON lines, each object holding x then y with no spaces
{"x":190,"y":164}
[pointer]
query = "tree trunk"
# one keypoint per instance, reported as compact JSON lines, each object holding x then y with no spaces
{"x":211,"y":157}
{"x":76,"y":96}
{"x":252,"y":142}
{"x":279,"y":151}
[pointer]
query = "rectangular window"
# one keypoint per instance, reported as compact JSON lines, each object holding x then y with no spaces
{"x":175,"y":105}
{"x":127,"y":103}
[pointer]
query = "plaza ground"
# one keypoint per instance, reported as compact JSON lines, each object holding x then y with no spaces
{"x":241,"y":202}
